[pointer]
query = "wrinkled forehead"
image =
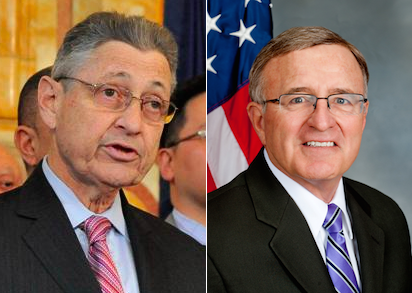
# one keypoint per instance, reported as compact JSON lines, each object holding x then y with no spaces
{"x":119,"y":58}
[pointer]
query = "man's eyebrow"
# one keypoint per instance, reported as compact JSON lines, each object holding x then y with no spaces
{"x":158,"y":88}
{"x":308,"y":90}
{"x":295,"y":90}
{"x":155,"y":84}
{"x":158,"y":85}
{"x":6,"y":171}
{"x":342,"y":91}
{"x":126,"y":75}
{"x":122,"y":74}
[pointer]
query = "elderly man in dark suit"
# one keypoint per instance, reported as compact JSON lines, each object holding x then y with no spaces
{"x":69,"y":228}
{"x":291,"y":222}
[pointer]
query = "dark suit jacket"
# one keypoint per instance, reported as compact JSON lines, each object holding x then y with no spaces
{"x":259,"y":241}
{"x":39,"y":251}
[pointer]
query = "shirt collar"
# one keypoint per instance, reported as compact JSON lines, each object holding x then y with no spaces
{"x":190,"y":226}
{"x":75,"y":210}
{"x":313,"y":209}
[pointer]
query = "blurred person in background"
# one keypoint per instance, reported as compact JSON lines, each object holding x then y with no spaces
{"x":32,"y":136}
{"x":182,"y":159}
{"x":11,"y":173}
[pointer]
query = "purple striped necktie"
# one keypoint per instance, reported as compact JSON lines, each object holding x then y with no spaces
{"x":96,"y":229}
{"x":337,"y":257}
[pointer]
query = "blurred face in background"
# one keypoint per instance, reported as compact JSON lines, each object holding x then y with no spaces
{"x":11,"y":175}
{"x":183,"y":164}
{"x":190,"y":155}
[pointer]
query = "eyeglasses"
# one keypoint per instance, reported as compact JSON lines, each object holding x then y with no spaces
{"x":339,"y":104}
{"x":197,"y":134}
{"x":118,"y":98}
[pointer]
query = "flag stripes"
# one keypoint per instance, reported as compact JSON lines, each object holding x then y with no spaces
{"x":236,"y":32}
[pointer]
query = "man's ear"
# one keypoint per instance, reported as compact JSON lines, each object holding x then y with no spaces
{"x":47,"y":100}
{"x":255,"y":112}
{"x":165,"y":163}
{"x":365,"y":113}
{"x":27,"y":142}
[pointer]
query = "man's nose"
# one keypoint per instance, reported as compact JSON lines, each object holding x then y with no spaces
{"x":321,"y":118}
{"x":131,"y":118}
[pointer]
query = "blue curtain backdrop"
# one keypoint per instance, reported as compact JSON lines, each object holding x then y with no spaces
{"x":187,"y":21}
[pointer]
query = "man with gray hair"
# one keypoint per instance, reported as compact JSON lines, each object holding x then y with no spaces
{"x":291,"y":222}
{"x":69,"y":228}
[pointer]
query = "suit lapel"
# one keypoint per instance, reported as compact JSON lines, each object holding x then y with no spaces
{"x":51,"y":237}
{"x":150,"y":260}
{"x":292,"y":243}
{"x":370,"y":241}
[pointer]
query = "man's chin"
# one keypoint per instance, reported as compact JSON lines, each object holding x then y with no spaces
{"x":322,"y":177}
{"x":320,"y":171}
{"x":118,"y":175}
{"x":118,"y":181}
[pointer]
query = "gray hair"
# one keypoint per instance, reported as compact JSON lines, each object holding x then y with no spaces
{"x":294,"y":39}
{"x":102,"y":27}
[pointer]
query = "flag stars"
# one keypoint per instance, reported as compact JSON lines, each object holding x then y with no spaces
{"x":211,"y":23}
{"x":209,"y":66}
{"x":247,"y":2}
{"x":244,"y":34}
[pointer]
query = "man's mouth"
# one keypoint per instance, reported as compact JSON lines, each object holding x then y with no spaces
{"x":122,"y":152}
{"x":122,"y":148}
{"x":320,"y":143}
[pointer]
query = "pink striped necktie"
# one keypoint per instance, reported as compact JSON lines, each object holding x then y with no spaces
{"x":96,"y":229}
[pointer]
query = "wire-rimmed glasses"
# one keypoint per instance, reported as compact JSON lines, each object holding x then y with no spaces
{"x":118,"y":98}
{"x":339,"y":104}
{"x":197,"y":134}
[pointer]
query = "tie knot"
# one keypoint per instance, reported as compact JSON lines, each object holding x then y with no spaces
{"x":96,"y":228}
{"x":333,"y":220}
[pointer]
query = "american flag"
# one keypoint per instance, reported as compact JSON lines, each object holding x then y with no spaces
{"x":236,"y":32}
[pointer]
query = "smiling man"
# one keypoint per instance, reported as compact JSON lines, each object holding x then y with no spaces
{"x":292,"y":222}
{"x":69,"y":228}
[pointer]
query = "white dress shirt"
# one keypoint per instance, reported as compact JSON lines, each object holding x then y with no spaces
{"x":117,"y":239}
{"x":314,"y":210}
